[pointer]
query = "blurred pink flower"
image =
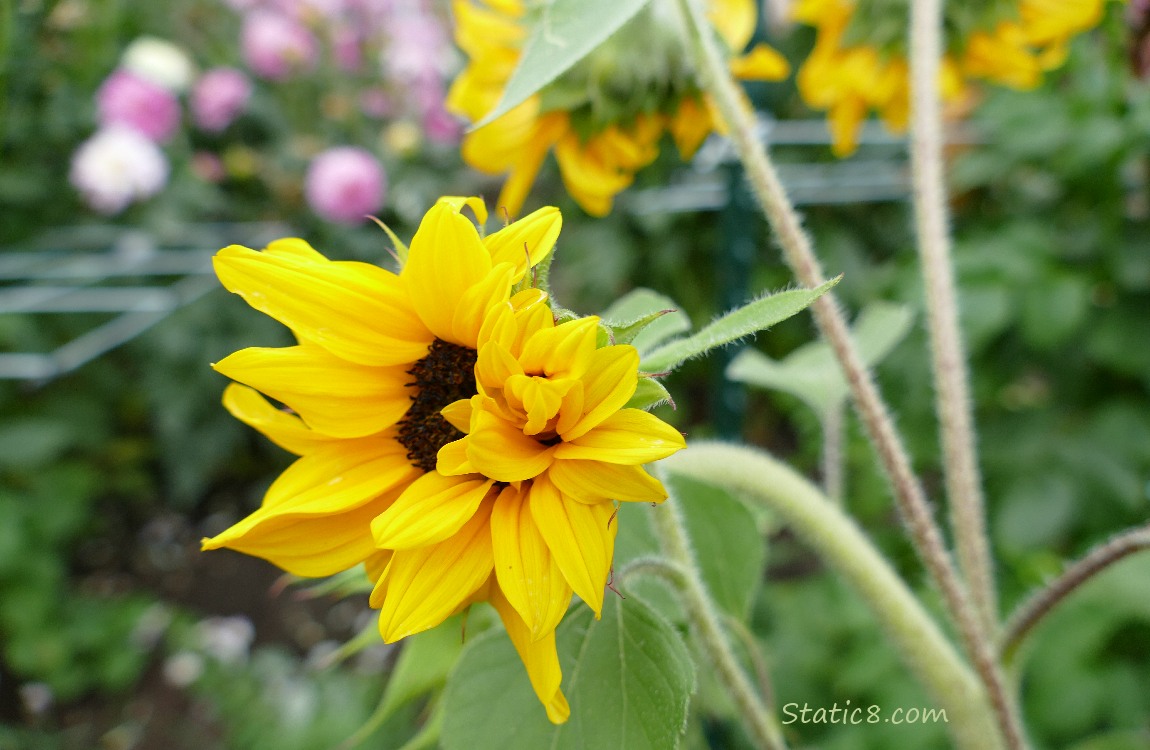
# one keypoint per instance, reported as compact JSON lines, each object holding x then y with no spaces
{"x":346,"y":48}
{"x":417,"y":46}
{"x":376,"y":103}
{"x":440,"y":126}
{"x":276,"y":46}
{"x":218,"y":97}
{"x":132,"y":101}
{"x":118,"y":166}
{"x":208,"y":167}
{"x":345,"y":184}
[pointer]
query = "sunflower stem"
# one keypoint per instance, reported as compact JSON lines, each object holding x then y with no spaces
{"x":833,"y":423}
{"x":843,"y":546}
{"x":948,"y":358}
{"x":706,"y":623}
{"x":1030,"y":612}
{"x":910,"y":497}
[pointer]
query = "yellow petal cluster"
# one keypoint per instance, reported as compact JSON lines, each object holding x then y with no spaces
{"x":594,"y":166}
{"x":452,"y":435}
{"x":850,"y":81}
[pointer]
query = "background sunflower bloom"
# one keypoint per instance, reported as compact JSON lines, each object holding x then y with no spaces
{"x":604,"y":118}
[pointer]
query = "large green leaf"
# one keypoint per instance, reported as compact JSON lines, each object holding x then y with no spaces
{"x":567,"y":31}
{"x":628,"y":678}
{"x":727,"y":543}
{"x":750,"y":318}
{"x":812,"y":372}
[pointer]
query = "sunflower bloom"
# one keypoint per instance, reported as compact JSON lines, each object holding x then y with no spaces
{"x":604,"y":118}
{"x":356,"y":421}
{"x":851,"y":79}
{"x":453,"y":436}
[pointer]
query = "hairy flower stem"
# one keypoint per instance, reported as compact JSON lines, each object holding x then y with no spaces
{"x":705,"y":621}
{"x":797,"y":250}
{"x":952,"y":390}
{"x":843,"y":546}
{"x":1030,"y":612}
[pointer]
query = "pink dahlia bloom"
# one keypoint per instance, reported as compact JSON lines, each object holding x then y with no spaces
{"x":132,"y":101}
{"x":345,"y":184}
{"x":116,"y":167}
{"x":218,"y":97}
{"x":276,"y":46}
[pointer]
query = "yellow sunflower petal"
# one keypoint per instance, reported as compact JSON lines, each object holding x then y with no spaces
{"x":629,"y":436}
{"x":458,"y":414}
{"x":474,"y":202}
{"x":356,"y":311}
{"x":562,"y":351}
{"x":538,"y":398}
{"x":526,"y":241}
{"x":318,"y":496}
{"x":285,"y":430}
{"x":499,"y":450}
{"x":734,"y":20}
{"x":609,"y":383}
{"x":310,"y":546}
{"x":596,"y":482}
{"x":295,"y":247}
{"x":546,"y":132}
{"x":477,"y":301}
{"x":431,"y":509}
{"x":581,"y":539}
{"x":539,"y":657}
{"x":590,"y":179}
{"x":446,"y":259}
{"x":527,"y":574}
{"x":494,"y":365}
{"x":690,"y":126}
{"x":762,"y":63}
{"x":334,"y":396}
{"x":424,"y":586}
{"x":452,"y":460}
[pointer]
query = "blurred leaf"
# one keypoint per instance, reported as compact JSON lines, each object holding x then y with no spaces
{"x":812,"y":371}
{"x":728,"y":546}
{"x":28,"y":443}
{"x":423,"y":665}
{"x":637,"y":306}
{"x":628,"y":678}
{"x":753,"y":317}
{"x":566,"y":32}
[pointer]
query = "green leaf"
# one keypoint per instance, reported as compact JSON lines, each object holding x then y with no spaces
{"x":423,"y":666}
{"x":628,"y":678}
{"x":750,"y":318}
{"x":640,"y":305}
{"x":812,"y":372}
{"x":728,"y":546}
{"x":567,"y":31}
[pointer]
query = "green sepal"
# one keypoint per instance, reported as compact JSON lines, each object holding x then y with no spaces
{"x":649,"y":393}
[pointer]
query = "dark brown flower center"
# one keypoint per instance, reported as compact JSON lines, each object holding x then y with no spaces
{"x":444,"y":376}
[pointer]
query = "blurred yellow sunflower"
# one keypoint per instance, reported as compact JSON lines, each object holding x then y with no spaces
{"x":604,"y":118}
{"x":849,"y":77}
{"x":453,"y":437}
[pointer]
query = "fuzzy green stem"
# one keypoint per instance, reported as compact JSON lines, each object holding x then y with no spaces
{"x":703,"y":615}
{"x":846,"y":549}
{"x":948,"y":358}
{"x":833,"y":423}
{"x":1038,"y":605}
